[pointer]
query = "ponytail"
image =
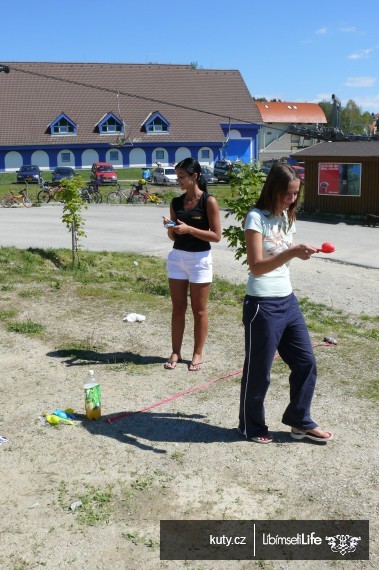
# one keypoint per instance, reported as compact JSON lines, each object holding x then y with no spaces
{"x":202,"y":183}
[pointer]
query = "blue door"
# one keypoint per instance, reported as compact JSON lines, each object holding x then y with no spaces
{"x":238,"y":149}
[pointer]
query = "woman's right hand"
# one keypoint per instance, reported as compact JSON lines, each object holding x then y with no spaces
{"x":304,"y":251}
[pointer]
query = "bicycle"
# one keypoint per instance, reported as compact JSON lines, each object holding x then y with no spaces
{"x":93,"y":190}
{"x":91,"y":193}
{"x":154,"y":198}
{"x":49,"y":193}
{"x":14,"y":199}
{"x":134,"y":196}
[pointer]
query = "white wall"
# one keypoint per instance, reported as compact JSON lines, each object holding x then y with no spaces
{"x":13,"y":161}
{"x":137,"y":158}
{"x":89,"y":156}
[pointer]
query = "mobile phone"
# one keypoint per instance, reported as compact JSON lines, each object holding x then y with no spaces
{"x":170,"y":224}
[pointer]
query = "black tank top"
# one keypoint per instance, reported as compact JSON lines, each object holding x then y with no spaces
{"x":197,"y":218}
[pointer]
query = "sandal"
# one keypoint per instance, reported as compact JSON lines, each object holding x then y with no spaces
{"x":194,"y":367}
{"x":258,"y":439}
{"x":171,"y":363}
{"x":312,"y":436}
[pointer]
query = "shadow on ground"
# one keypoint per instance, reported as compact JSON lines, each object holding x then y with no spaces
{"x":150,"y":431}
{"x":82,"y":357}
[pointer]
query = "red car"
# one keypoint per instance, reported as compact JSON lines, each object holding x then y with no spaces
{"x":300,"y":172}
{"x":103,"y":173}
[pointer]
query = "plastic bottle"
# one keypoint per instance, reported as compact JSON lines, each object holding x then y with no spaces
{"x":92,"y":397}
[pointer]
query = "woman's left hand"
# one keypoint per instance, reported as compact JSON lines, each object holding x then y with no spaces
{"x":181,"y":228}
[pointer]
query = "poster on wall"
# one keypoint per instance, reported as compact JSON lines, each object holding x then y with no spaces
{"x":339,"y":179}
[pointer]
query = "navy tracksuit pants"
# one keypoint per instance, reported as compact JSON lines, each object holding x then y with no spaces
{"x":275,"y":324}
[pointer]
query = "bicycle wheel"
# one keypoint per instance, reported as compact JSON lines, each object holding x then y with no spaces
{"x":98,"y":197}
{"x":7,"y":201}
{"x":86,"y":196}
{"x":28,"y":202}
{"x":114,"y":198}
{"x":43,"y":197}
{"x":138,"y":199}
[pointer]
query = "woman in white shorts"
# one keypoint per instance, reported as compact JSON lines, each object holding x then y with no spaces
{"x":189,"y":264}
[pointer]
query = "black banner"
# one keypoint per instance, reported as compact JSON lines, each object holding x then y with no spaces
{"x":264,"y":540}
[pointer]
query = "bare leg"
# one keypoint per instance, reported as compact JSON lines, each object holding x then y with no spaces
{"x":178,"y":291}
{"x":199,"y":296}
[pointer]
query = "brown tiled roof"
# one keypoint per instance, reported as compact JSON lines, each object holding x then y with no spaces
{"x":30,"y":99}
{"x":287,"y":112}
{"x":362,"y":149}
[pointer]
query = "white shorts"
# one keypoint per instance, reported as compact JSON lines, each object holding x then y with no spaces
{"x":195,"y":267}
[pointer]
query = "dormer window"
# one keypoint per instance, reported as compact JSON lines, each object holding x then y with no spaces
{"x":62,"y":125}
{"x":110,"y":125}
{"x":156,"y":123}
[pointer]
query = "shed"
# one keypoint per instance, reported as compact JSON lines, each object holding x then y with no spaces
{"x":341,"y":177}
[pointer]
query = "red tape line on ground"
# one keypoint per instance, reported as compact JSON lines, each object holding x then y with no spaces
{"x":190,"y":390}
{"x":174,"y":397}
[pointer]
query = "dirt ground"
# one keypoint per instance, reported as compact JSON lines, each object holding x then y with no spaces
{"x":179,"y":460}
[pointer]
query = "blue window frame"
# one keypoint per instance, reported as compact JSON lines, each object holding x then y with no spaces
{"x":113,"y":155}
{"x":63,"y":125}
{"x":110,"y":125}
{"x":156,"y":123}
{"x":159,"y":154}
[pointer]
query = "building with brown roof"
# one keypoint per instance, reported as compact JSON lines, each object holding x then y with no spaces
{"x":274,"y":141}
{"x":341,"y":177}
{"x":74,"y":114}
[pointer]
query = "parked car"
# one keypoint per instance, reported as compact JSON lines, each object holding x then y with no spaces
{"x":63,"y":172}
{"x":208,"y":175}
{"x":300,"y":172}
{"x":29,"y":173}
{"x":223,"y":169}
{"x":164,"y":175}
{"x":103,"y":173}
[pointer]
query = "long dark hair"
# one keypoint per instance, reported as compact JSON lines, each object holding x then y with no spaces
{"x":191,"y":166}
{"x":275,"y":187}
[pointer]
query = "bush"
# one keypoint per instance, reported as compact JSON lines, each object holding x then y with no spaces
{"x":246,"y":185}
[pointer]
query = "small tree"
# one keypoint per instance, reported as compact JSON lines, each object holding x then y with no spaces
{"x":72,"y":217}
{"x":246,"y":184}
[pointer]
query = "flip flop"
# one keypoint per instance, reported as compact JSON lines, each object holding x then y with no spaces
{"x":194,"y":367}
{"x":311,"y":436}
{"x":171,"y":364}
{"x":258,"y":439}
{"x":261,"y":439}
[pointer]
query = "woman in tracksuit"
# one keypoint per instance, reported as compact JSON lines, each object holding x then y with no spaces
{"x":271,"y":314}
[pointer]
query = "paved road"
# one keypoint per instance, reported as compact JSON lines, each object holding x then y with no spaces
{"x":139,"y":228}
{"x":340,"y":280}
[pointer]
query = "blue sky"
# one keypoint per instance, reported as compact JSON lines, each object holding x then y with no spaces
{"x":294,"y":51}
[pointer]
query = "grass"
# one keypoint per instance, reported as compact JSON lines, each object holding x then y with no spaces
{"x":104,"y":280}
{"x":8,"y":185}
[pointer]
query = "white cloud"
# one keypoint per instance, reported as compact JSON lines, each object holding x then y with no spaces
{"x":370,"y":103}
{"x":322,"y":31}
{"x":362,"y":54}
{"x":363,"y":81}
{"x":322,"y":97}
{"x":348,"y":29}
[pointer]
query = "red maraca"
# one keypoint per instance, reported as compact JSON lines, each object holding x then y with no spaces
{"x":327,"y":248}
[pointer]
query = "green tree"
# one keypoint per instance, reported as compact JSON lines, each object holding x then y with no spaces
{"x":246,"y":184}
{"x":327,"y":107}
{"x":351,"y":118}
{"x":72,"y":217}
